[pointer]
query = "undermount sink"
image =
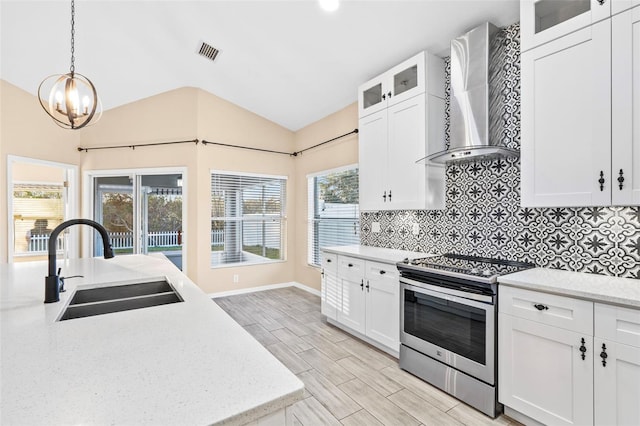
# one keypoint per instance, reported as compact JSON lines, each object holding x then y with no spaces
{"x":120,"y":297}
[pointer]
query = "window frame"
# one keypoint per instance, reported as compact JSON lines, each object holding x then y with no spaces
{"x":282,"y":218}
{"x":312,"y":208}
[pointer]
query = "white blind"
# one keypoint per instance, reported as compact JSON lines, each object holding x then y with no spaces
{"x":334,"y":214}
{"x":247,"y":218}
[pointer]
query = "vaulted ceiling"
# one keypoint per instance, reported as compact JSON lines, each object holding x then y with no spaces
{"x":288,"y":61}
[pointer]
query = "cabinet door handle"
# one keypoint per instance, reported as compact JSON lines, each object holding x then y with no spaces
{"x":382,"y":272}
{"x":620,"y":179}
{"x":604,"y":355}
{"x":389,"y":94}
{"x":362,"y":284}
{"x":384,"y":97}
{"x":384,"y":197}
{"x":328,"y":260}
{"x":322,"y":273}
{"x":583,"y":349}
{"x":389,"y":195}
{"x":367,"y":286}
{"x":601,"y":180}
{"x":350,"y":265}
{"x":540,"y":307}
{"x":600,"y":2}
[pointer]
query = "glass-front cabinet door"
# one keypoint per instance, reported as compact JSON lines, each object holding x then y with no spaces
{"x":372,"y":96}
{"x":401,"y":82}
{"x":407,"y":79}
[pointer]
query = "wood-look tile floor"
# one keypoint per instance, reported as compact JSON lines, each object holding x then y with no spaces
{"x":347,"y":381}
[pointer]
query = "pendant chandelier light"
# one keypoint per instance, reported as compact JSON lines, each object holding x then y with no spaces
{"x":70,"y":99}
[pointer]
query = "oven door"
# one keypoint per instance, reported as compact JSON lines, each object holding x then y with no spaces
{"x":451,"y":329}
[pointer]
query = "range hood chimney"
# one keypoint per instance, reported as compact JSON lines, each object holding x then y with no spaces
{"x":470,"y":129}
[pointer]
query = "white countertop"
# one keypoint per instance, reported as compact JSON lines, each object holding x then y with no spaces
{"x":182,"y":363}
{"x":378,"y":254}
{"x":598,"y":288}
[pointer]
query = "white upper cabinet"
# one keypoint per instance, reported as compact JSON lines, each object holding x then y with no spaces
{"x":542,"y":21}
{"x":408,"y":79}
{"x":566,"y":120}
{"x":581,"y":115}
{"x":625,"y":101}
{"x":618,"y":6}
{"x":397,"y":131}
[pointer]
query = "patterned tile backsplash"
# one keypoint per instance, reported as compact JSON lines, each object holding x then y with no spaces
{"x":483,"y":215}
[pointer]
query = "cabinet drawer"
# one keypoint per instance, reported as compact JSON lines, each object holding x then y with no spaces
{"x":329,"y":261}
{"x":350,"y":268}
{"x":382,"y":271}
{"x":618,"y":324}
{"x":558,"y":311}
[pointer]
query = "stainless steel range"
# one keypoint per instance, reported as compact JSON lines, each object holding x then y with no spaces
{"x":448,"y":324}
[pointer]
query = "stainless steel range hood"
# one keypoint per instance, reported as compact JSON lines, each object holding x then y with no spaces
{"x":470,"y":129}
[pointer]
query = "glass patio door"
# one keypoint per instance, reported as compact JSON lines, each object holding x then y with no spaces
{"x":142,"y":213}
{"x":114,"y":208}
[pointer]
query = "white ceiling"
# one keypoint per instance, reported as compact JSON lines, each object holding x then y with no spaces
{"x":288,"y":61}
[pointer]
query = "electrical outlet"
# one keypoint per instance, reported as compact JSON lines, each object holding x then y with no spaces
{"x":236,"y":278}
{"x":375,"y":227}
{"x":415,"y":229}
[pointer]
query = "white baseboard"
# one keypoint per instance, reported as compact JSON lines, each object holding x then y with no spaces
{"x":263,"y":288}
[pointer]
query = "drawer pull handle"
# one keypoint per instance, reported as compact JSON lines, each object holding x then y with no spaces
{"x":382,"y":272}
{"x":540,"y":307}
{"x":350,"y":265}
{"x":328,"y":260}
{"x":604,"y":355}
{"x":583,"y":349}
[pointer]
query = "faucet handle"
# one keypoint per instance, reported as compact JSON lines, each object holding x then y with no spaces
{"x":61,"y":280}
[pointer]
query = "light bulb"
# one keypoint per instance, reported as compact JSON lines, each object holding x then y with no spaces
{"x":330,"y":5}
{"x":85,"y":105}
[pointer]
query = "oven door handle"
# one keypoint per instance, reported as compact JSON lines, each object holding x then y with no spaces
{"x":476,"y":300}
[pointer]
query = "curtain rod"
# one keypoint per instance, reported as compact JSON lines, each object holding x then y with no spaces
{"x":354,"y":131}
{"x":291,"y":154}
{"x":205,"y":142}
{"x":134,"y":146}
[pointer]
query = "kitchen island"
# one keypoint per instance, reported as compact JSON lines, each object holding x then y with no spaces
{"x":180,"y":363}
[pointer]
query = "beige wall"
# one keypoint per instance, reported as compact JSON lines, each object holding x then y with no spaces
{"x":186,"y":114}
{"x":221,"y":121}
{"x":27,"y":131}
{"x":336,"y":154}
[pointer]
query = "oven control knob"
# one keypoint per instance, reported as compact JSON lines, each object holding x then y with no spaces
{"x":486,"y":272}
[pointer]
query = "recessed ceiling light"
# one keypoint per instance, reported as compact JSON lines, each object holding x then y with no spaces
{"x":330,"y":5}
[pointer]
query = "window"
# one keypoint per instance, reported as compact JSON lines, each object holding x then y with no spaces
{"x":247,"y":218}
{"x":334,"y":214}
{"x":37,"y":209}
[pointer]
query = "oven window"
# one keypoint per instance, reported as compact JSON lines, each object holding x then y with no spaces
{"x":452,"y":326}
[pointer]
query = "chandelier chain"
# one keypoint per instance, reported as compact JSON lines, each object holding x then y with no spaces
{"x":73,"y":33}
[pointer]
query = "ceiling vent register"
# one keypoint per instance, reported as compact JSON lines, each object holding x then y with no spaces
{"x":208,"y":51}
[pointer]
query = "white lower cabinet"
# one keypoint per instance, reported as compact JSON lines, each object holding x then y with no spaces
{"x":564,"y":361}
{"x":382,"y":303}
{"x":330,"y":295}
{"x":369,"y":300}
{"x":616,"y":365}
{"x":542,"y":373}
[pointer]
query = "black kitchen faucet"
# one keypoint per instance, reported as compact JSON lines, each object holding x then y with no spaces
{"x":52,"y":281}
